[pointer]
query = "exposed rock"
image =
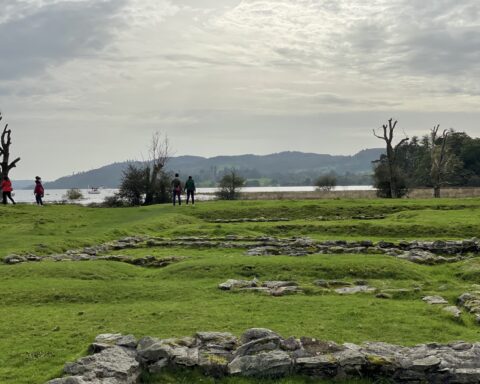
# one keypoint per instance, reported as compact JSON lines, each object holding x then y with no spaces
{"x":116,"y":365}
{"x":256,"y":333}
{"x":220,"y":340}
{"x":453,"y":310}
{"x":434,"y":300}
{"x":14,"y":259}
{"x":265,"y":364}
{"x":232,"y":284}
{"x":354,"y":289}
{"x":253,"y":347}
{"x":279,"y":284}
{"x":282,"y":291}
{"x":315,"y":347}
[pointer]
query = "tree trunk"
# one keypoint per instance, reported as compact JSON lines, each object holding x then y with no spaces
{"x":436,"y":191}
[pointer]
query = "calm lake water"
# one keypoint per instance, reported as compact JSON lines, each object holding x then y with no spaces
{"x":58,"y":195}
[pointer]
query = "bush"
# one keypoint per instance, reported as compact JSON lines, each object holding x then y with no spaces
{"x":381,"y":181}
{"x":73,"y":194}
{"x":229,"y":186}
{"x":139,"y":187}
{"x":132,"y":187}
{"x":326,"y":182}
{"x":114,"y":201}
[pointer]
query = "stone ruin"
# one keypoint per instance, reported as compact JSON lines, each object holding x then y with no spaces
{"x":118,"y":359}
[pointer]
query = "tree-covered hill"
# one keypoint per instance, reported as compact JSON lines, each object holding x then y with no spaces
{"x":285,"y":168}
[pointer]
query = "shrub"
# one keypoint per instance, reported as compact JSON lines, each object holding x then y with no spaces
{"x":114,"y":201}
{"x":73,"y":194}
{"x":139,"y":186}
{"x":229,"y":186}
{"x":326,"y":182}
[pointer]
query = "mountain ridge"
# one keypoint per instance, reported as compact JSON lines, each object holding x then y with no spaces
{"x":281,"y":168}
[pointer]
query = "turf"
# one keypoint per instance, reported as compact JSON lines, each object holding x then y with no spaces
{"x":51,"y":311}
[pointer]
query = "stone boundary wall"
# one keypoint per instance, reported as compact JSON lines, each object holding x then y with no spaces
{"x":418,"y":193}
{"x":260,"y":352}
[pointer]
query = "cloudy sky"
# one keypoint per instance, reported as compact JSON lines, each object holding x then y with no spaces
{"x":84,"y":83}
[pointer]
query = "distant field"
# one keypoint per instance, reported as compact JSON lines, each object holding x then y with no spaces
{"x":50,"y":311}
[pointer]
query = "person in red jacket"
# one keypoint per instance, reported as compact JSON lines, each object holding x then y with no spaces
{"x":38,"y":191}
{"x":7,"y":190}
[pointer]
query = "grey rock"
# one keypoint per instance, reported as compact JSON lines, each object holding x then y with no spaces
{"x":453,"y":310}
{"x":232,"y":284}
{"x":349,"y":357}
{"x":434,"y":300}
{"x":265,"y":364}
{"x":268,"y":343}
{"x":282,"y":291}
{"x":116,"y":364}
{"x":315,"y":347}
{"x":290,"y":344}
{"x":321,"y":366}
{"x":154,"y":352}
{"x":184,"y":356}
{"x":426,"y":363}
{"x":220,"y":340}
{"x":354,"y":289}
{"x":14,"y":259}
{"x":279,"y":284}
{"x":257,"y":333}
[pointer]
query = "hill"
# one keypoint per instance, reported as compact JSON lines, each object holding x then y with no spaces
{"x":284,"y":168}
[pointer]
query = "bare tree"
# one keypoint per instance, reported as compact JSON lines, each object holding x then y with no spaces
{"x":387,"y":136}
{"x":442,"y":160}
{"x":159,"y":154}
{"x":6,"y":141}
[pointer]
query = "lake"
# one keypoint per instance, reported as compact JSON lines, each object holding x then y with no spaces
{"x":58,"y":195}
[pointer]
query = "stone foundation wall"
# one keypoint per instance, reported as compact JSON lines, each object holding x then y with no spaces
{"x":259,"y":352}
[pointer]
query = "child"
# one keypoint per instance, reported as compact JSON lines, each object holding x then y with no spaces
{"x":38,"y":191}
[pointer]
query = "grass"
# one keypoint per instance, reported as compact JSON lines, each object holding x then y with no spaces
{"x":51,"y":311}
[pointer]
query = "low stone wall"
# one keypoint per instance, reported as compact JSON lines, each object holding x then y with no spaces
{"x":261,"y":352}
{"x":417,"y":193}
{"x":422,"y":252}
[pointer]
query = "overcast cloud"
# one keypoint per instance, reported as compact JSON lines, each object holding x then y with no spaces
{"x":84,"y":83}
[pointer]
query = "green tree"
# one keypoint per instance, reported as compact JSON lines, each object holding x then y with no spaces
{"x":230,"y":185}
{"x":326,"y":182}
{"x":132,"y":187}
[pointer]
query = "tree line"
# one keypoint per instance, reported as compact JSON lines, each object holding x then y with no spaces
{"x":437,"y":159}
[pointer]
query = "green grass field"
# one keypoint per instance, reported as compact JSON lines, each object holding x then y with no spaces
{"x":51,"y":311}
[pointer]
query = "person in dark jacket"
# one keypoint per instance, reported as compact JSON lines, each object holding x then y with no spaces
{"x":38,"y":191}
{"x":7,"y":190}
{"x":190,"y":188}
{"x":176,"y":190}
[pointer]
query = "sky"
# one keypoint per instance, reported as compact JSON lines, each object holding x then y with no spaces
{"x":84,"y":83}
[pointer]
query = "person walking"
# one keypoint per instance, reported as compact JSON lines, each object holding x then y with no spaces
{"x":176,"y":190}
{"x":190,"y":188}
{"x":39,"y":190}
{"x":7,"y":190}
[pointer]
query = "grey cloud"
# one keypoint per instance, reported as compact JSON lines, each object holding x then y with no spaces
{"x":444,"y":51}
{"x":55,"y":33}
